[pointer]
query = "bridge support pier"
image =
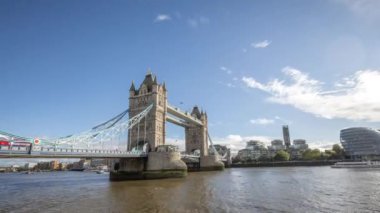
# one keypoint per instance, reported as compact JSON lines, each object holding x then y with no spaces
{"x":158,"y":165}
{"x":211,"y":163}
{"x":128,"y":169}
{"x":165,"y":165}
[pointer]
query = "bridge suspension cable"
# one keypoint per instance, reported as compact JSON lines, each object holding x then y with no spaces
{"x":102,"y":134}
{"x":105,"y":132}
{"x":212,"y":144}
{"x":111,"y":121}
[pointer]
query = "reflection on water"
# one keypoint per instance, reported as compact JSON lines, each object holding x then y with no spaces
{"x":297,"y":189}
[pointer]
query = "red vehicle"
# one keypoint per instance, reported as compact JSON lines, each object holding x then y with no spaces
{"x":4,"y":143}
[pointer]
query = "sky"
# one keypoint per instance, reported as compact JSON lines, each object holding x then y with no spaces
{"x":66,"y":66}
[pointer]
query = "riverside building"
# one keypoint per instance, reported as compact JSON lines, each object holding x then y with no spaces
{"x":253,"y":151}
{"x":286,"y":134}
{"x":298,"y":147}
{"x":276,"y":145}
{"x":361,"y":143}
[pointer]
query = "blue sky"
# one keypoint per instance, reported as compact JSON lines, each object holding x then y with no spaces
{"x":66,"y":66}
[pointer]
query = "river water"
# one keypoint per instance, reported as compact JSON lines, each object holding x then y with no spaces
{"x":287,"y":189}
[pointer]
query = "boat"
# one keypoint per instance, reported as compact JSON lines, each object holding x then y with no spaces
{"x":102,"y":172}
{"x":361,"y":164}
{"x":77,"y":170}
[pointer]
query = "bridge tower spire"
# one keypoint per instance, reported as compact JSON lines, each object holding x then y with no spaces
{"x":149,"y":92}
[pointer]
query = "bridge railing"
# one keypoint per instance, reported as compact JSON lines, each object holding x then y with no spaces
{"x":189,"y":156}
{"x":51,"y":151}
{"x":89,"y":151}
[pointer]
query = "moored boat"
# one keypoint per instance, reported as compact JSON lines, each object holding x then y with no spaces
{"x":361,"y":164}
{"x":102,"y":171}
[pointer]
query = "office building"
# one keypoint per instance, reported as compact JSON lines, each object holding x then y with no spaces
{"x":361,"y":142}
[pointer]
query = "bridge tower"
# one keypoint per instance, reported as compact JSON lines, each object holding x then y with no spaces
{"x":196,"y":136}
{"x":151,"y":130}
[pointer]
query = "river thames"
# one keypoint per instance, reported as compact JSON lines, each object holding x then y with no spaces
{"x":287,"y":189}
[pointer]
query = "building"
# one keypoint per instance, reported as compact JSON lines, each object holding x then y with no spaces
{"x":62,"y":166}
{"x":285,"y":132}
{"x":54,"y":165}
{"x":253,"y":151}
{"x":222,"y":150}
{"x":244,"y":155}
{"x":276,"y":145}
{"x":43,"y":166}
{"x":298,"y":147}
{"x":97,"y":162}
{"x":80,"y":165}
{"x":30,"y":165}
{"x":299,"y":144}
{"x":361,"y":142}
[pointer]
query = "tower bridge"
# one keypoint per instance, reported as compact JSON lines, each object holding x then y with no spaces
{"x":136,"y":140}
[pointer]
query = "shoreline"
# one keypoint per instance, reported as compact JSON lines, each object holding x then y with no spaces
{"x":285,"y":164}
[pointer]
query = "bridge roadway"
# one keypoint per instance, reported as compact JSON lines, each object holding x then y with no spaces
{"x":185,"y":116}
{"x":49,"y":152}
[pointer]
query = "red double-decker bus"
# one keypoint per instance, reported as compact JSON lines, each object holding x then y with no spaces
{"x":4,"y":143}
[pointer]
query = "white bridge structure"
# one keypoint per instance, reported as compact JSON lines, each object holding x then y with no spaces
{"x":131,"y":134}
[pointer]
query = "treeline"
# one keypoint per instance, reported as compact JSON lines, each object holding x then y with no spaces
{"x":335,"y":153}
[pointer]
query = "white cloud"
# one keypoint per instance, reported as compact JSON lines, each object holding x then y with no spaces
{"x":204,"y":20}
{"x":197,"y":21}
{"x":284,"y":121}
{"x":354,"y":98}
{"x":162,"y":17}
{"x":262,"y":121}
{"x":230,"y":85}
{"x":228,"y":71}
{"x":261,"y":44}
{"x":218,"y":123}
{"x":178,"y":15}
{"x":368,"y":9}
{"x":192,"y":22}
{"x":321,"y":144}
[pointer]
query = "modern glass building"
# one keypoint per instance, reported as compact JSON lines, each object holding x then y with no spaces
{"x":285,"y":132}
{"x":361,"y":142}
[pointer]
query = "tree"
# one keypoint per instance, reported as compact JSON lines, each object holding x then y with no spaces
{"x":328,"y":154}
{"x":235,"y":159}
{"x":309,"y":154}
{"x":339,"y":151}
{"x":281,"y":156}
{"x":263,"y":158}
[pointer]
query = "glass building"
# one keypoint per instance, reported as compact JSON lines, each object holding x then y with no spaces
{"x":361,"y":142}
{"x":285,"y":132}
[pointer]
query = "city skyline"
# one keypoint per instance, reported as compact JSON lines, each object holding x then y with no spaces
{"x":67,"y":66}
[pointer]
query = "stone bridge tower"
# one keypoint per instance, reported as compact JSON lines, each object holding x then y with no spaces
{"x":196,"y":136}
{"x":149,"y":92}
